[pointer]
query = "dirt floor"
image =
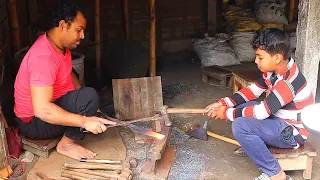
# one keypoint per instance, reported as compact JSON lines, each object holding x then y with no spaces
{"x":198,"y":159}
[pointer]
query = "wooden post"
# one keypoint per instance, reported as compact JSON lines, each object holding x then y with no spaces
{"x":14,"y":25}
{"x":33,"y":11}
{"x":126,"y":14}
{"x":212,"y":17}
{"x":98,"y":39}
{"x":291,"y":11}
{"x":152,"y":38}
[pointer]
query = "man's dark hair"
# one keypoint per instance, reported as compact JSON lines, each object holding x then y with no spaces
{"x":66,"y":11}
{"x":272,"y":40}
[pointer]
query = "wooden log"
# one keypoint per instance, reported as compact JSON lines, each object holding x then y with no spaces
{"x":152,"y":38}
{"x":98,"y":39}
{"x":126,"y":15}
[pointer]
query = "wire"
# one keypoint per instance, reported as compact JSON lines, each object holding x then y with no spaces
{"x":20,"y":171}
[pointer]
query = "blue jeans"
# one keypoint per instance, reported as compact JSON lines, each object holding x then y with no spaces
{"x":254,"y":135}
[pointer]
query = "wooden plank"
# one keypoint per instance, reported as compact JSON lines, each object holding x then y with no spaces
{"x":290,"y":164}
{"x":137,"y":97}
{"x":33,"y":11}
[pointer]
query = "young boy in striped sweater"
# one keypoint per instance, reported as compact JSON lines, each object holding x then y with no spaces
{"x":272,"y":121}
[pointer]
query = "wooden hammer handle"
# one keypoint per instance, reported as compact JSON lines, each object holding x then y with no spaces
{"x":73,"y":176}
{"x":100,"y":161}
{"x":93,"y":166}
{"x":184,"y":110}
{"x":100,"y":174}
{"x":223,"y":138}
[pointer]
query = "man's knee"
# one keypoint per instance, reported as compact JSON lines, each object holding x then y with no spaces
{"x":91,"y":95}
{"x":240,"y":126}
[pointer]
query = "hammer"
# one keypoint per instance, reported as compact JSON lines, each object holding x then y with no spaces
{"x":164,"y":111}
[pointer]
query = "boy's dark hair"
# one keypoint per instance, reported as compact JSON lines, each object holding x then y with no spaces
{"x":272,"y":40}
{"x":66,"y":11}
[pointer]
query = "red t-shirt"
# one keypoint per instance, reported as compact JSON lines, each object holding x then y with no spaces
{"x":42,"y":66}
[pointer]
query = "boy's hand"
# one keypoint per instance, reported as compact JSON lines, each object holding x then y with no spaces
{"x":220,"y":113}
{"x":211,"y":109}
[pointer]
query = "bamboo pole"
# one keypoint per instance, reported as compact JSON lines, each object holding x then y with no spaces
{"x":152,"y":38}
{"x":98,"y":39}
{"x":126,"y":14}
{"x":291,"y":11}
{"x":14,"y":25}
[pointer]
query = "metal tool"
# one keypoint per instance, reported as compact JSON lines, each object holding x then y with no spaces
{"x":202,"y":133}
{"x":135,"y":128}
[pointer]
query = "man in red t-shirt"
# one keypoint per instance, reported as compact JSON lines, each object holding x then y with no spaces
{"x":49,"y":101}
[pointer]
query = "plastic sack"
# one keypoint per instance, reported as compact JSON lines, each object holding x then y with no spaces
{"x":241,"y":20}
{"x":215,"y":51}
{"x":241,"y":43}
{"x":293,"y":42}
{"x":270,"y":12}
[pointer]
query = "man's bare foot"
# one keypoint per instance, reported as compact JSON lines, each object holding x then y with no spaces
{"x":280,"y":176}
{"x":73,"y":150}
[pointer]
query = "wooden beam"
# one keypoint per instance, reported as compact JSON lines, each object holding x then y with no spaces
{"x":212,"y":17}
{"x":33,"y":11}
{"x":14,"y":25}
{"x":152,"y":38}
{"x":291,"y":11}
{"x":126,"y":14}
{"x":98,"y":40}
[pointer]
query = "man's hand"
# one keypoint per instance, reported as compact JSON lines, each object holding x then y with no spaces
{"x":220,"y":113}
{"x":96,"y":125}
{"x":211,"y":109}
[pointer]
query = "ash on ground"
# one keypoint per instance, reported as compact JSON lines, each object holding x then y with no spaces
{"x":188,"y":164}
{"x":172,"y":90}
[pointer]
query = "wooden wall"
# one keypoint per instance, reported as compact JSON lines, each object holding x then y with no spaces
{"x":176,"y":19}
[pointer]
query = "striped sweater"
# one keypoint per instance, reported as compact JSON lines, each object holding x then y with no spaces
{"x":289,"y":94}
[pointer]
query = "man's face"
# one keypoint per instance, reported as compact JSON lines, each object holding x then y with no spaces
{"x":265,"y":61}
{"x":73,"y":34}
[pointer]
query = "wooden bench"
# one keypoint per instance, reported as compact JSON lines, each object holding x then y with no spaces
{"x":296,"y":159}
{"x":217,"y":73}
{"x":39,"y":147}
{"x":242,"y":79}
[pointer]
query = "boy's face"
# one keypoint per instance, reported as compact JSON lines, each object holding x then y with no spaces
{"x":265,"y":61}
